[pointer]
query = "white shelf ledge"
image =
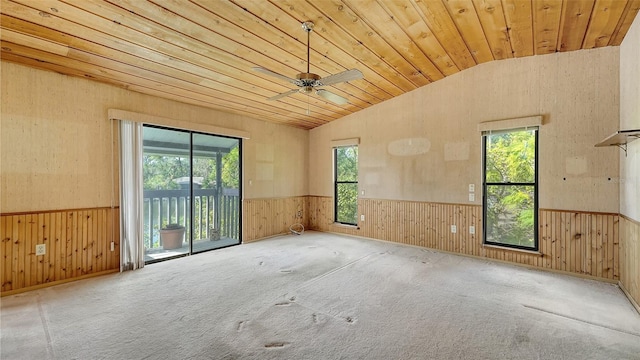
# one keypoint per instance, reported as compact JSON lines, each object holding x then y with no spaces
{"x":620,"y":139}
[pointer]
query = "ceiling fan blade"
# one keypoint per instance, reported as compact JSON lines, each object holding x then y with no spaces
{"x":275,"y":74}
{"x":284,"y":94}
{"x":353,"y":74}
{"x":337,"y":99}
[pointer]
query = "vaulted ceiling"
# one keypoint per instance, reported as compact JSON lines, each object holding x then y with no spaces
{"x":203,"y":51}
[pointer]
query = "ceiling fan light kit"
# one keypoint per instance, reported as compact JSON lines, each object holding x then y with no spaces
{"x":308,"y":82}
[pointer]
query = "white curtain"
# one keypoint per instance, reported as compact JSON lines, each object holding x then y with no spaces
{"x":131,"y":235}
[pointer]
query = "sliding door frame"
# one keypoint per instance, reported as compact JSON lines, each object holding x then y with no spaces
{"x":191,"y":188}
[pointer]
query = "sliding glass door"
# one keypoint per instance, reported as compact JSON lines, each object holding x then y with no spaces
{"x":191,"y":192}
{"x":216,"y":192}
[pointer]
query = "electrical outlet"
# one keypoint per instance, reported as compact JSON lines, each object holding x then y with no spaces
{"x":472,"y":197}
{"x":454,"y":229}
{"x":472,"y":229}
{"x":41,"y":249}
{"x":299,"y":214}
{"x":472,"y":187}
{"x":362,"y":217}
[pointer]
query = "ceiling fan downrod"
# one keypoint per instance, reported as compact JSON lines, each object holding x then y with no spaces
{"x":308,"y":78}
{"x":307,"y":26}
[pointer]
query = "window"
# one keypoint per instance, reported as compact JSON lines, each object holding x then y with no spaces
{"x":510,"y":202}
{"x":346,"y":184}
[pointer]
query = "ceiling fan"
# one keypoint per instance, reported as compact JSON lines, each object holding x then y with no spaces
{"x":308,"y":82}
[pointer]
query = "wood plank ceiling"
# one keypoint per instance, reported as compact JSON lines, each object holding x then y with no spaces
{"x":202,"y":51}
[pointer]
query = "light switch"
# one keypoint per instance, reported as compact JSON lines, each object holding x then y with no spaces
{"x":362,"y":217}
{"x":454,"y":229}
{"x":472,"y":197}
{"x":472,"y":187}
{"x":472,"y":229}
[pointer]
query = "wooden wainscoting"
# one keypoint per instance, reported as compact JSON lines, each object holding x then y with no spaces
{"x":263,"y":218}
{"x":578,"y":242}
{"x":630,"y":258}
{"x":321,"y":217}
{"x":78,"y":243}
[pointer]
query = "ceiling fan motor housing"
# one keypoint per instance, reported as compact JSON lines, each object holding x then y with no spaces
{"x":308,"y":79}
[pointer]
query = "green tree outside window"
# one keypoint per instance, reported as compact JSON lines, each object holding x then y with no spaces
{"x":346,"y":184}
{"x":510,"y":188}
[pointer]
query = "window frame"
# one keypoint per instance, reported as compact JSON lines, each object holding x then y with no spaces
{"x":535,"y":184}
{"x":336,"y":183}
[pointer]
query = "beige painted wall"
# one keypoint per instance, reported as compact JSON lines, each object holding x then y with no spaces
{"x":630,"y":164}
{"x":425,"y":145}
{"x":56,"y":142}
{"x":630,"y":119}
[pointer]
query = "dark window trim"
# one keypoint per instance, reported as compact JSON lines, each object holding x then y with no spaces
{"x":335,"y":186}
{"x":485,"y":184}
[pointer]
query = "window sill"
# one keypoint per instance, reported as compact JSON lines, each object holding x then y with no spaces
{"x":497,"y":247}
{"x":347,"y":226}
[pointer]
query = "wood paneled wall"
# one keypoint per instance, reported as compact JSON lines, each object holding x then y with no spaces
{"x":580,"y":242}
{"x":268,"y":217}
{"x":78,"y":243}
{"x":577,"y":242}
{"x":630,"y":258}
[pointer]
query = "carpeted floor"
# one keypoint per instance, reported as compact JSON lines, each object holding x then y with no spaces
{"x":323,"y":296}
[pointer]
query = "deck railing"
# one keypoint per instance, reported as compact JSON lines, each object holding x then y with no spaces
{"x":211,"y":217}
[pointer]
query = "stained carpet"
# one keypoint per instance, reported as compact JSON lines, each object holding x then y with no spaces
{"x":323,"y":296}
